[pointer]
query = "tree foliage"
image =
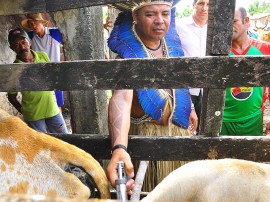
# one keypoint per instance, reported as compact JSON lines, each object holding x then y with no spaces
{"x":185,"y":13}
{"x":257,"y":7}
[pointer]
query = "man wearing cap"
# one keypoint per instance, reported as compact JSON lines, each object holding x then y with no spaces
{"x":143,"y":31}
{"x":39,"y":108}
{"x":45,"y":39}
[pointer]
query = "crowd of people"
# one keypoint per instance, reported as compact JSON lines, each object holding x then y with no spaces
{"x":41,"y":110}
{"x":147,"y":29}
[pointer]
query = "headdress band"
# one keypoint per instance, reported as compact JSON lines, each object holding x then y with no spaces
{"x":144,"y":3}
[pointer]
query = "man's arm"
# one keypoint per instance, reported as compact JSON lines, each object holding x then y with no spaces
{"x":193,"y":121}
{"x":12,"y":98}
{"x":119,"y":124}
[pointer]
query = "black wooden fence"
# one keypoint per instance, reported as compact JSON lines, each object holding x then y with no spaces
{"x":214,"y":72}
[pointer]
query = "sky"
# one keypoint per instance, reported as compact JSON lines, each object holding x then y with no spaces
{"x":245,"y":3}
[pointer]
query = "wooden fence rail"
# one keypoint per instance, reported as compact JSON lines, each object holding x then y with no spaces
{"x":12,"y":7}
{"x":208,"y":72}
{"x":215,"y":72}
{"x":177,"y":148}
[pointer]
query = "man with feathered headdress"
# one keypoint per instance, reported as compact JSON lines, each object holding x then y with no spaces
{"x":146,"y":29}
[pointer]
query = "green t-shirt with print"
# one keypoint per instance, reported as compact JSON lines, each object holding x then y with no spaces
{"x":243,"y":103}
{"x":37,"y":105}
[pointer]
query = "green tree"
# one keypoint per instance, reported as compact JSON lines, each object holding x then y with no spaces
{"x":185,"y":13}
{"x":257,"y":7}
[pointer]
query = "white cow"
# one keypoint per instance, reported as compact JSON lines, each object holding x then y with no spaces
{"x":226,"y":180}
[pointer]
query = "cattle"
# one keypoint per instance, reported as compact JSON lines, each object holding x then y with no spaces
{"x":226,"y":180}
{"x":33,"y":163}
{"x":32,"y":168}
{"x":264,"y":34}
{"x":40,"y":198}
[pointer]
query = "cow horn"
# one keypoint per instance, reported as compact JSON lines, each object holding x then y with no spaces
{"x":263,"y":27}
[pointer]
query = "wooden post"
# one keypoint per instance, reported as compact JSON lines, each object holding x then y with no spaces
{"x":82,"y":36}
{"x":219,"y":37}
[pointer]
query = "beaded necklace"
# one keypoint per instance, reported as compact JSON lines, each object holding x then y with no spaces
{"x":164,"y":51}
{"x":149,"y":54}
{"x":154,"y":49}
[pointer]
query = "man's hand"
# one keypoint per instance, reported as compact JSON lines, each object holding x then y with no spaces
{"x":193,"y":121}
{"x":267,"y":129}
{"x":121,"y":155}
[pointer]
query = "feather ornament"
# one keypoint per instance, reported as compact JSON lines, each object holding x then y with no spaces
{"x":123,"y":41}
{"x":153,"y":102}
{"x":131,"y":5}
{"x":182,"y":108}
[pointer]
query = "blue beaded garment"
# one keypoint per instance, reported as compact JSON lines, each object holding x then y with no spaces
{"x":123,"y":41}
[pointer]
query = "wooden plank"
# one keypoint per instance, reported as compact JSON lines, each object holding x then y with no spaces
{"x":53,"y":5}
{"x":177,"y":148}
{"x":212,"y":112}
{"x":220,"y":26}
{"x":13,"y":7}
{"x":219,"y":37}
{"x":210,"y":72}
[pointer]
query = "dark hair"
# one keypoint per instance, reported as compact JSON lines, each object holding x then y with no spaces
{"x":243,"y":13}
{"x":194,"y":2}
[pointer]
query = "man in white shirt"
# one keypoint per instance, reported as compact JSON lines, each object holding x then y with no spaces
{"x":193,"y":32}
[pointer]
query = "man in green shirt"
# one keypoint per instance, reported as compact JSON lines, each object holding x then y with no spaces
{"x":39,"y":108}
{"x":244,"y":106}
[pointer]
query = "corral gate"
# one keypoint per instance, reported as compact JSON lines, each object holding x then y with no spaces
{"x":214,"y":72}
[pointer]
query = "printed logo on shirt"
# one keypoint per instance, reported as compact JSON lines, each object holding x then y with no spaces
{"x":241,"y":93}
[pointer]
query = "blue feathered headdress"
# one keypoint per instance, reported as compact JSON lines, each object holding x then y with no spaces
{"x":123,"y":42}
{"x":122,"y":39}
{"x":135,"y":4}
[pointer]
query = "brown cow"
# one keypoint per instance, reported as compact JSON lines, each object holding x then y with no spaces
{"x":33,"y":163}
